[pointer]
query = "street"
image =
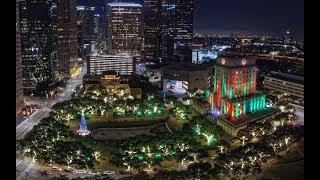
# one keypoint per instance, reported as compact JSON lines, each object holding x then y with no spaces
{"x":300,"y":116}
{"x":23,"y":165}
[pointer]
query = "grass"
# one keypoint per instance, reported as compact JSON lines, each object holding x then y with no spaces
{"x":170,"y":164}
{"x":175,"y":124}
{"x":123,"y":124}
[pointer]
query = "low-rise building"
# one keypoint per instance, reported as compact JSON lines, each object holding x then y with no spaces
{"x":285,"y":83}
{"x":114,"y":84}
{"x":180,"y":77}
{"x":153,"y":72}
{"x":121,"y":63}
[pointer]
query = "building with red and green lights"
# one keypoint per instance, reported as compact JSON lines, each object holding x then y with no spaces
{"x":234,"y":90}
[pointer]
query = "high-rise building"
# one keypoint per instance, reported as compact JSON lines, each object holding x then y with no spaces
{"x":152,"y":29}
{"x":66,"y":37}
{"x":19,"y":88}
{"x":120,"y":63}
{"x":96,"y":27}
{"x":80,"y":42}
{"x":125,"y":30}
{"x":86,"y":14}
{"x":36,"y":42}
{"x":98,"y":43}
{"x":177,"y":30}
{"x":85,"y":24}
{"x":286,"y":39}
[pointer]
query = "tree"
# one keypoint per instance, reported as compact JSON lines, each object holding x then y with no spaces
{"x":52,"y":141}
{"x":200,"y":170}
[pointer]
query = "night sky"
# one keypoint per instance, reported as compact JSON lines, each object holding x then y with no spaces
{"x":248,"y":17}
{"x":268,"y":17}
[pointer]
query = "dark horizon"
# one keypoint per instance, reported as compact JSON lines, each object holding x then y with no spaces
{"x":250,"y":17}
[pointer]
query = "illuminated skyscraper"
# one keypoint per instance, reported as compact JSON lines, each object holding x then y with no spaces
{"x":19,"y":92}
{"x":177,"y":29}
{"x":80,"y":42}
{"x":85,"y":15}
{"x":36,"y":42}
{"x":66,"y":37}
{"x":96,"y":27}
{"x":98,"y":42}
{"x":152,"y":29}
{"x":125,"y":28}
{"x":286,"y":38}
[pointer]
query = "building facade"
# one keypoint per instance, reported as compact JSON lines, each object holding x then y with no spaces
{"x":285,"y":83}
{"x":234,"y":86}
{"x":235,"y":96}
{"x":99,"y":45}
{"x":36,"y":34}
{"x":180,"y":77}
{"x":121,"y":63}
{"x":152,"y":29}
{"x":85,"y":16}
{"x":114,"y":84}
{"x":177,"y":30}
{"x":19,"y":88}
{"x":66,"y":37}
{"x":125,"y":29}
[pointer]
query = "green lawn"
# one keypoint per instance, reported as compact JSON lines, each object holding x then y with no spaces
{"x":175,"y":124}
{"x":123,"y":124}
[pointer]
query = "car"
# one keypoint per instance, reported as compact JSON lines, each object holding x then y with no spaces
{"x":109,"y":172}
{"x":80,"y":171}
{"x":93,"y":173}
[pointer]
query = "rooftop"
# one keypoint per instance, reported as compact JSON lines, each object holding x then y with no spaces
{"x":110,"y":72}
{"x":235,"y":62}
{"x":124,"y":5}
{"x":187,"y":67}
{"x":287,"y":77}
{"x":256,"y":116}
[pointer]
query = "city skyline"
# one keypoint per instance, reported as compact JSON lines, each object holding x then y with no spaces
{"x":163,"y":89}
{"x":244,"y":17}
{"x":250,"y":17}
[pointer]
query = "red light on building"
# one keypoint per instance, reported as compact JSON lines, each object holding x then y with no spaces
{"x":234,"y":87}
